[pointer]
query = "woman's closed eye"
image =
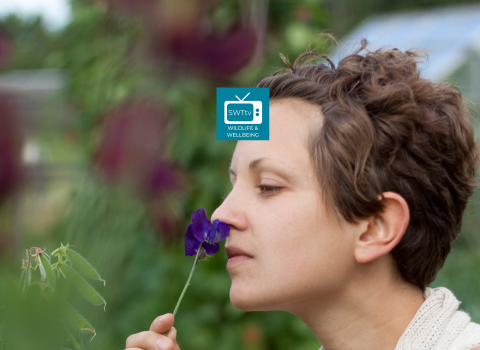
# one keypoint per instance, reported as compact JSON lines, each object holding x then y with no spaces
{"x":267,"y":189}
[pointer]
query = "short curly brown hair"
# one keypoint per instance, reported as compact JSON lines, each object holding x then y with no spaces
{"x":387,"y":129}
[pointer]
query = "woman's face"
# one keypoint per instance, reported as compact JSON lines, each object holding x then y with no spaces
{"x":277,"y":217}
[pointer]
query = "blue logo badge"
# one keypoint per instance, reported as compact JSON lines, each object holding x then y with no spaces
{"x":243,"y":113}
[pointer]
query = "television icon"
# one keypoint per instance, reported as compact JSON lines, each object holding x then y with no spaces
{"x":243,"y":112}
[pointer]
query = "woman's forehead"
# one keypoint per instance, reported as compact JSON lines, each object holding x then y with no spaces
{"x":290,"y":124}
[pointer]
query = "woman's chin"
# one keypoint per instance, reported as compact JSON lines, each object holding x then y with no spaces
{"x":242,"y":301}
{"x":246,"y":301}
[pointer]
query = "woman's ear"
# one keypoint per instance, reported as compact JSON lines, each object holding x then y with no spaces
{"x":383,"y":230}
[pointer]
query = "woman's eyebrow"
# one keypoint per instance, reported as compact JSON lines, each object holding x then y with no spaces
{"x":253,"y":164}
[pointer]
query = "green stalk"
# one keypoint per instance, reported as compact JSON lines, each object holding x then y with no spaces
{"x":187,"y":284}
{"x":188,"y":281}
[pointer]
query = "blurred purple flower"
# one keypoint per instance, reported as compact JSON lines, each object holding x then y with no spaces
{"x":10,"y":147}
{"x":8,"y":169}
{"x":217,"y":54}
{"x":162,"y":177}
{"x":202,"y":230}
{"x":183,"y":32}
{"x":166,"y":181}
{"x":132,"y":140}
{"x":180,"y":33}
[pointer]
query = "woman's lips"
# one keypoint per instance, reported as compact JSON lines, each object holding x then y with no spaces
{"x":237,"y":259}
{"x":236,"y":255}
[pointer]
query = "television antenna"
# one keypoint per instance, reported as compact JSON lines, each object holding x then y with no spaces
{"x":242,"y":98}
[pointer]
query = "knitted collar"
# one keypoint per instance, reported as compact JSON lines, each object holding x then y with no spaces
{"x":432,"y":325}
{"x":438,"y":324}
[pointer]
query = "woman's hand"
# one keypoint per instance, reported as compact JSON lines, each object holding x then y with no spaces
{"x":154,"y":338}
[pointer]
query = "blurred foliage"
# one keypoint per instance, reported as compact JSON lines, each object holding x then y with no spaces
{"x":34,"y":316}
{"x":33,"y":47}
{"x":39,"y":302}
{"x":145,"y":271}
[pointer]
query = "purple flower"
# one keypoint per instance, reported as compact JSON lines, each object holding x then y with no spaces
{"x":202,"y":230}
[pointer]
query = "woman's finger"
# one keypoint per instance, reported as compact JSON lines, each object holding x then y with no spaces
{"x":149,"y":341}
{"x":172,"y":334}
{"x":162,"y":323}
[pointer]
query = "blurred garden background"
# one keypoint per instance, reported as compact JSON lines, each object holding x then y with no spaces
{"x":108,"y":143}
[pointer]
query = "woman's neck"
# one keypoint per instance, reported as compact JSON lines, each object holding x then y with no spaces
{"x":369,"y":313}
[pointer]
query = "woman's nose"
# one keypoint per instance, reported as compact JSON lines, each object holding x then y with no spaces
{"x":232,"y":212}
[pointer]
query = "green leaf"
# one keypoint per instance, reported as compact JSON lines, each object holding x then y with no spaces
{"x":83,"y":265}
{"x":82,"y":286}
{"x":47,"y":268}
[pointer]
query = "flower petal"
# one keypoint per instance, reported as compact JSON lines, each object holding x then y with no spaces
{"x":191,"y":243}
{"x":212,"y":231}
{"x":201,"y":224}
{"x":211,"y":249}
{"x":223,"y":230}
{"x":220,"y":233}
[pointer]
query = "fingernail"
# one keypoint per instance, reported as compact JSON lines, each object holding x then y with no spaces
{"x":159,"y":319}
{"x":162,"y":343}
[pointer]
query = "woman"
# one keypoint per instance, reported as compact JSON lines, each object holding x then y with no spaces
{"x":346,"y":214}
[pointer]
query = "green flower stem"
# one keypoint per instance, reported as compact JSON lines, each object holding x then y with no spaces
{"x":188,"y":281}
{"x":187,"y":284}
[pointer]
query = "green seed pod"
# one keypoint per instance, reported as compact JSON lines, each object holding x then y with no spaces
{"x":82,"y":286}
{"x":47,"y":269}
{"x":75,"y":319}
{"x":29,"y":276}
{"x":83,"y":265}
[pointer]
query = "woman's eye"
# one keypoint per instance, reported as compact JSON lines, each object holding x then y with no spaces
{"x":265,"y":189}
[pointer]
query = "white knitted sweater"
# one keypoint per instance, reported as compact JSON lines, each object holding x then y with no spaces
{"x":439,"y":325}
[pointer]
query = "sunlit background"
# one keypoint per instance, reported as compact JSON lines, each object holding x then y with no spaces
{"x":108,"y":143}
